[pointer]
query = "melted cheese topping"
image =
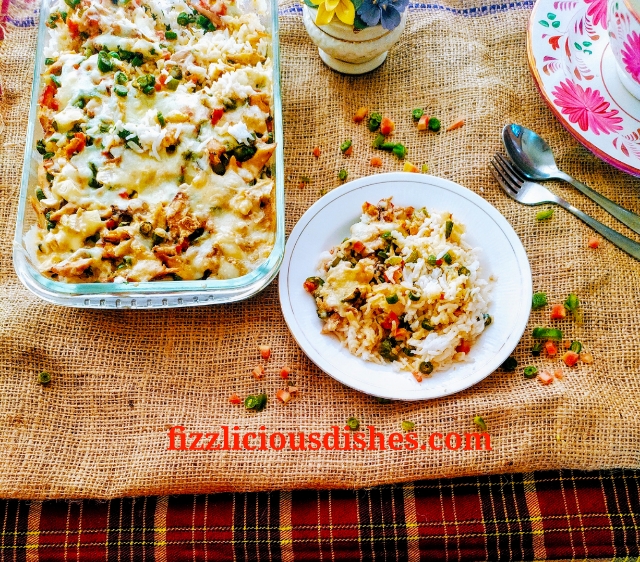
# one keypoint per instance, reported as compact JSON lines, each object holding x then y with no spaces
{"x":157,"y":146}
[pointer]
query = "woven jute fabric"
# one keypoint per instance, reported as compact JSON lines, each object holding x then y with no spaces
{"x":121,"y":378}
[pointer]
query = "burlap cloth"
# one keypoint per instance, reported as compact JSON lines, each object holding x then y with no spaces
{"x":120,"y":378}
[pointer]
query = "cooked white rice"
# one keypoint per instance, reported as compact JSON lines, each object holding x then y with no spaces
{"x":404,"y":254}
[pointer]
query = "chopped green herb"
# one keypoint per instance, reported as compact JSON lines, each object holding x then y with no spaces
{"x":345,"y":145}
{"x":509,"y":364}
{"x":342,"y":175}
{"x":48,"y":155}
{"x":539,"y":300}
{"x":426,"y":367}
{"x":462,"y":270}
{"x":40,"y":194}
{"x":374,"y":121}
{"x":121,"y":78}
{"x":105,"y":64}
{"x":386,"y":350}
{"x":413,"y":297}
{"x":480,"y":423}
{"x":530,"y":371}
{"x":256,"y":403}
{"x":146,"y":228}
{"x":44,"y":378}
{"x":185,"y":19}
{"x":448,"y":229}
{"x":426,"y":325}
{"x":72,"y":3}
{"x":417,"y":113}
{"x":399,"y":151}
{"x":447,"y":258}
{"x":171,"y":35}
{"x":393,"y":299}
{"x":120,"y":90}
{"x":172,"y":84}
{"x":544,"y":215}
{"x":161,"y":119}
{"x":353,"y":424}
{"x":408,"y":425}
{"x":537,"y":348}
{"x":378,"y":141}
{"x":434,"y":124}
{"x":137,"y":60}
{"x":49,"y":61}
{"x":572,"y":303}
{"x":576,"y":346}
{"x":540,"y":333}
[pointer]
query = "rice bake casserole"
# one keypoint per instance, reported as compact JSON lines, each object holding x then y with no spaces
{"x":404,"y":288}
{"x":157,"y":145}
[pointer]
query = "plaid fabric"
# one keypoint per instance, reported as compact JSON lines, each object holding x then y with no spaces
{"x":534,"y":516}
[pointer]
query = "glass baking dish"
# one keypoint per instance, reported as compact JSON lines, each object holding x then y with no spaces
{"x":150,"y":294}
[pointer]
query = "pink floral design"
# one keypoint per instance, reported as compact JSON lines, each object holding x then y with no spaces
{"x":631,"y":55}
{"x":587,"y":108}
{"x":597,"y":11}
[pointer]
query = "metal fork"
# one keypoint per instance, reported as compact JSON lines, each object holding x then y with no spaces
{"x":531,"y":193}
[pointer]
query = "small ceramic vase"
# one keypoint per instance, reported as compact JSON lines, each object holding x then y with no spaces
{"x":349,"y":51}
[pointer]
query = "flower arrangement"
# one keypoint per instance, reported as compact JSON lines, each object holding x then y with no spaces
{"x":360,"y":13}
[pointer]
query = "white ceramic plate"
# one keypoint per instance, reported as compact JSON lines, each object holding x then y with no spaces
{"x":327,"y":223}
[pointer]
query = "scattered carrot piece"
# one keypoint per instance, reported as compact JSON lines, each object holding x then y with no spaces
{"x":545,"y":377}
{"x":570,"y":358}
{"x":316,"y":151}
{"x":594,"y":242}
{"x":348,"y":151}
{"x":265,"y":351}
{"x":551,"y":348}
{"x":376,"y":161}
{"x":463,"y":347}
{"x":387,"y":126}
{"x":283,"y":395}
{"x":235,"y":399}
{"x":586,"y":357}
{"x":409,"y":167}
{"x":284,"y":373}
{"x":558,"y":312}
{"x":360,"y":114}
{"x":456,"y":124}
{"x":258,"y":372}
{"x":417,"y":376}
{"x":370,"y":209}
{"x":566,"y":344}
{"x":558,"y":374}
{"x":423,"y":123}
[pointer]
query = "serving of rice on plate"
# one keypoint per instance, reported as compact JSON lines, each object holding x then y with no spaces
{"x":404,"y":288}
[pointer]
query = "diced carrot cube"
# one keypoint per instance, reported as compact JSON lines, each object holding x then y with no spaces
{"x":358,"y":247}
{"x":417,"y":376}
{"x":360,"y":114}
{"x":235,"y":399}
{"x":544,"y":377}
{"x":593,"y":242}
{"x":258,"y":372}
{"x":284,"y":373}
{"x":265,"y":351}
{"x":376,"y":161}
{"x":558,"y":312}
{"x":551,"y":348}
{"x":409,"y":167}
{"x":349,"y":151}
{"x":423,"y":123}
{"x":570,"y":358}
{"x":463,"y":347}
{"x":283,"y":395}
{"x":558,"y":374}
{"x":387,"y":126}
{"x":316,"y":151}
{"x":586,"y":357}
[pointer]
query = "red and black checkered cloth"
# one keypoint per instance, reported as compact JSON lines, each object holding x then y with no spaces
{"x":536,"y":516}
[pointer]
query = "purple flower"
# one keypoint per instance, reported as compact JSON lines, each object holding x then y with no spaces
{"x":386,"y":12}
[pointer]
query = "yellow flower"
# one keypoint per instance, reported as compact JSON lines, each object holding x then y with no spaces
{"x":327,"y":8}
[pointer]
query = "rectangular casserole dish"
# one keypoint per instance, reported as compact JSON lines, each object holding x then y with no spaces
{"x":144,"y":294}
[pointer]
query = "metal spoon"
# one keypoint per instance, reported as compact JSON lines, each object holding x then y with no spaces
{"x":533,"y":157}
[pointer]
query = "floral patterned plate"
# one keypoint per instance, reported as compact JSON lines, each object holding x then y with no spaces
{"x":574,"y":68}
